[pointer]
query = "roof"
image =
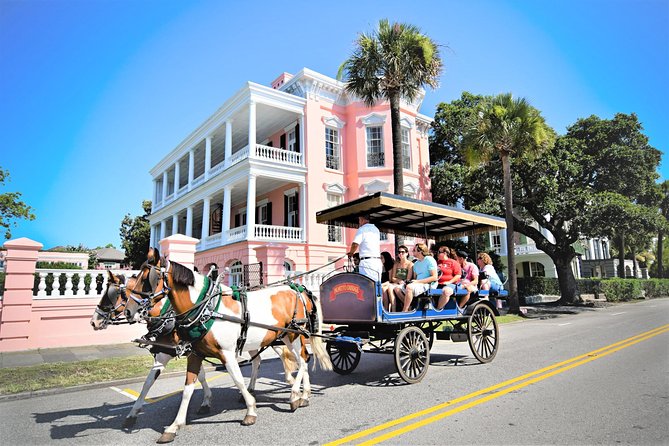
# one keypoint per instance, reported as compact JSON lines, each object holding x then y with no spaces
{"x":408,"y":216}
{"x":110,"y":254}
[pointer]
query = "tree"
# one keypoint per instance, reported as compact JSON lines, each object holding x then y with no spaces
{"x":564,"y":189}
{"x":135,"y":236}
{"x":664,"y":212}
{"x":12,"y":208}
{"x":393,"y":62}
{"x":507,"y":127}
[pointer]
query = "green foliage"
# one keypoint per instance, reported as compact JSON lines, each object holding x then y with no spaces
{"x":600,"y":167}
{"x":12,"y":208}
{"x":2,"y":283}
{"x":57,"y":265}
{"x":531,"y":286}
{"x":70,"y":248}
{"x":656,"y":288}
{"x":617,"y":290}
{"x":135,"y":236}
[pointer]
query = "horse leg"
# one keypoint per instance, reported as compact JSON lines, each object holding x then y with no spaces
{"x":301,"y":368}
{"x":205,"y":407}
{"x":160,"y":360}
{"x":255,"y":367}
{"x":306,"y":382}
{"x":287,"y":362}
{"x":230,"y":359}
{"x":193,"y":370}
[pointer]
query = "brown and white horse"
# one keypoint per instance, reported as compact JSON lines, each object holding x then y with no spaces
{"x":278,"y":307}
{"x":110,"y":308}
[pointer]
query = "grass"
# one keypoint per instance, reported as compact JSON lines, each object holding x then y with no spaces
{"x":68,"y":374}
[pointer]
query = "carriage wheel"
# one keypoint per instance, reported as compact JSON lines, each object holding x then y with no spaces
{"x":412,"y":354}
{"x":344,"y":356}
{"x":483,"y":333}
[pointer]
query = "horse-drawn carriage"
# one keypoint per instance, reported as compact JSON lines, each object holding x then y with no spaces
{"x":353,"y":302}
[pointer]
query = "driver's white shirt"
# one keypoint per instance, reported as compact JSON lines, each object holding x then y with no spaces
{"x":368,"y":239}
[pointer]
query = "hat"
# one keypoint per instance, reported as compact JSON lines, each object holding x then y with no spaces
{"x":462,"y":254}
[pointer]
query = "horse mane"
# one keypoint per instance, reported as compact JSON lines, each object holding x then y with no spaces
{"x":182,"y":275}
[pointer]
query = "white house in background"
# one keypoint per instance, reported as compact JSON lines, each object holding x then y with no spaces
{"x":110,"y":258}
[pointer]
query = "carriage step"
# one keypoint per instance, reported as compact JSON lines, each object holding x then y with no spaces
{"x":459,"y":337}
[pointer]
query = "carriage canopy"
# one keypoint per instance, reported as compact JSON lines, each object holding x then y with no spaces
{"x":408,"y":216}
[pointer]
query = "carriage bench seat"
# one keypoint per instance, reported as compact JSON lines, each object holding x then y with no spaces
{"x":436,"y":292}
{"x":502,"y":294}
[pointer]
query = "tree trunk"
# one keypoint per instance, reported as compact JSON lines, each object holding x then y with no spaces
{"x":568,"y":288}
{"x":514,"y":305}
{"x":635,"y":264}
{"x":396,"y":128}
{"x":621,"y":254}
{"x":660,"y":252}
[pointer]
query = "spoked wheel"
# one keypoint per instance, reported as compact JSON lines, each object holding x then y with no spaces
{"x":412,"y":354}
{"x":483,"y":333}
{"x":345,"y":356}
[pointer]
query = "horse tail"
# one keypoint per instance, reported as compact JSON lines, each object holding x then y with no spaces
{"x":317,"y":346}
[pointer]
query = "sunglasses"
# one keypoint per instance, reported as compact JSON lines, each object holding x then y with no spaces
{"x":402,"y":252}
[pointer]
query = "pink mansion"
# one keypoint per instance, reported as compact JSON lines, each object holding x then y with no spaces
{"x":248,"y":182}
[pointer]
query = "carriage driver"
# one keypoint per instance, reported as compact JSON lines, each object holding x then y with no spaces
{"x":368,"y":240}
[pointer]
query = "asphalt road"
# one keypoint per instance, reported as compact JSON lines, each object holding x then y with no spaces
{"x":597,"y":377}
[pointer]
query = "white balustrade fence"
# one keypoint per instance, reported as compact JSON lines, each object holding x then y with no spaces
{"x":278,"y":232}
{"x":311,"y":281}
{"x":279,"y":155}
{"x":71,"y":283}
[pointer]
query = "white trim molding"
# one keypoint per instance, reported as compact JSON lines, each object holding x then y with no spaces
{"x":376,"y":185}
{"x":334,"y":188}
{"x":373,"y":119}
{"x":333,"y":121}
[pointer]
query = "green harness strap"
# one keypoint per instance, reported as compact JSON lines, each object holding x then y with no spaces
{"x":198,"y":330}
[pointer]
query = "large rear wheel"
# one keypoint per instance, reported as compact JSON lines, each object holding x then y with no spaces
{"x":483,"y":333}
{"x":344,"y":356}
{"x":412,"y":354}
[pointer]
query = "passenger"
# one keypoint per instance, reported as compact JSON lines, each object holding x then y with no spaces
{"x":470,"y":277}
{"x":425,"y":271}
{"x":388,"y":263}
{"x":489,"y":278}
{"x":401,"y":273}
{"x":450,"y":274}
{"x":368,"y":240}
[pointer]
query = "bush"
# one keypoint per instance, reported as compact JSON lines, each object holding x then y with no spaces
{"x":617,"y":290}
{"x":2,"y":284}
{"x":531,"y":286}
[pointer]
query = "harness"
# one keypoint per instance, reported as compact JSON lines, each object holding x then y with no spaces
{"x":194,"y":324}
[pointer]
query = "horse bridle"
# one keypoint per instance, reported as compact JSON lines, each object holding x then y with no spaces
{"x":109,"y":313}
{"x":148,"y":299}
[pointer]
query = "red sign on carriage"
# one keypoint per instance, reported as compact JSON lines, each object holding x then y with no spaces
{"x":346,"y":288}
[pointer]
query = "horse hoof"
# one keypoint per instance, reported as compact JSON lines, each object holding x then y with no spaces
{"x":304,"y":403}
{"x":129,"y":422}
{"x":203,"y":410}
{"x":294,"y":405}
{"x":249,"y":420}
{"x":167,"y":437}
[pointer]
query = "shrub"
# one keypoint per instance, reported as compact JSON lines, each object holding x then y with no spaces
{"x":622,"y":289}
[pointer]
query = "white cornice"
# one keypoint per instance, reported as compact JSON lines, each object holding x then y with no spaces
{"x":376,"y":185}
{"x":333,"y":121}
{"x":373,"y":119}
{"x":334,"y":188}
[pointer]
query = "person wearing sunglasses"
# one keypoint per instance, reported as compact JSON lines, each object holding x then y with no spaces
{"x":470,"y":277}
{"x":401,"y":273}
{"x":450,"y":274}
{"x":425,"y":273}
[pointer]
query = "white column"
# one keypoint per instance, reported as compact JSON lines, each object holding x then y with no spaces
{"x":303,"y":210}
{"x":163,"y":229}
{"x":189,"y":221}
{"x":152,"y":236}
{"x":164,"y":185}
{"x":191,"y":167}
{"x":226,"y":212}
{"x":591,"y":249}
{"x":303,"y":148}
{"x":205,"y":217}
{"x":207,"y":157}
{"x":155,"y":192}
{"x":228,"y":141}
{"x":252,"y":131}
{"x":251,"y":208}
{"x":175,"y":224}
{"x":177,"y":169}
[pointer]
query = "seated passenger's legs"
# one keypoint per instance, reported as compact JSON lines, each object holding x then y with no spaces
{"x":446,"y":294}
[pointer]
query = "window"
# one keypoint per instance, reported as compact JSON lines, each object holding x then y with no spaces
{"x":240,"y":218}
{"x":292,"y":140}
{"x":496,"y":241}
{"x":383,"y":236}
{"x":332,"y":152}
{"x":375,"y":155}
{"x":292,"y":211}
{"x":263,"y":214}
{"x":236,"y":273}
{"x":406,"y":149}
{"x":537,"y":269}
{"x":334,"y":232}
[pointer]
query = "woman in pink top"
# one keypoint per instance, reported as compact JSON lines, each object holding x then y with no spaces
{"x":470,"y":277}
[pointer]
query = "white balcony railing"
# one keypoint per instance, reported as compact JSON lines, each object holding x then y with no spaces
{"x":238,"y":156}
{"x":527,"y":249}
{"x":278,"y":155}
{"x":237,"y":234}
{"x":52,"y":281}
{"x":278,"y":233}
{"x":311,"y":281}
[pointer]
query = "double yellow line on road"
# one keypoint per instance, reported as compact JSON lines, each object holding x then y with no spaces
{"x":446,"y":409}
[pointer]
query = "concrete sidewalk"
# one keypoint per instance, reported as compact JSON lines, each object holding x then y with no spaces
{"x":69,"y":354}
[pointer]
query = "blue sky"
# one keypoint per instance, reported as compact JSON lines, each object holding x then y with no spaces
{"x":93,"y":93}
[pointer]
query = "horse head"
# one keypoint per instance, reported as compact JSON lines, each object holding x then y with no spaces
{"x":148,"y":289}
{"x":112,"y":303}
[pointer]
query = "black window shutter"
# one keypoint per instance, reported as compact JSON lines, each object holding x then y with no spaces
{"x":285,"y":210}
{"x":257,"y":214}
{"x":297,"y":208}
{"x":237,"y":222}
{"x":297,"y":138}
{"x":269,"y":213}
{"x":270,"y":143}
{"x":283,"y":141}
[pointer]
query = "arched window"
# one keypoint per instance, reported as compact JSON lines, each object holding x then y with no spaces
{"x":236,"y":273}
{"x":537,"y":269}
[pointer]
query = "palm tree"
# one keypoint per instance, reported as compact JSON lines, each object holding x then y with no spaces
{"x":392,"y":62}
{"x":664,"y":211}
{"x":507,"y":127}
